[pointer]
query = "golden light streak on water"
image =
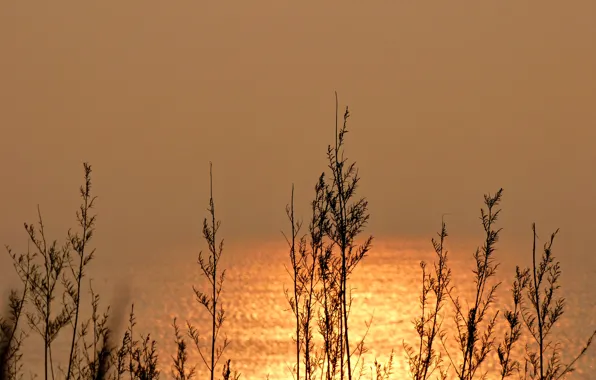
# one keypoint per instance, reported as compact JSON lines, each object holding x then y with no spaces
{"x":386,"y":288}
{"x":259,"y":323}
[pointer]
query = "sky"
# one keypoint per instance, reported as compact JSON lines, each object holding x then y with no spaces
{"x":449,"y":101}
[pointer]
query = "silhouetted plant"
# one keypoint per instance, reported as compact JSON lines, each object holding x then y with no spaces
{"x":44,"y":273}
{"x":179,"y":370}
{"x":545,"y":310}
{"x":209,"y":267}
{"x":44,"y":281}
{"x":474,"y":343}
{"x":91,"y":360}
{"x":509,"y":365}
{"x":11,"y":334}
{"x":347,"y":219}
{"x":295,"y":260}
{"x":79,"y":243}
{"x":142,"y":355}
{"x":322,"y":264}
{"x":329,"y":314}
{"x":429,"y":326}
{"x":10,"y":338}
{"x":145,"y":358}
{"x":227,"y":373}
{"x":123,"y":356}
{"x":304,"y":258}
{"x":382,"y":371}
{"x":309,"y":280}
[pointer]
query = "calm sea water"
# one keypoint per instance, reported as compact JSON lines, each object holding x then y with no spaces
{"x":259,"y":324}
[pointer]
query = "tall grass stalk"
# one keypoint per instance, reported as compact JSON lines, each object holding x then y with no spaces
{"x":11,"y":333}
{"x":424,"y":361}
{"x":179,"y":365}
{"x":209,"y":268}
{"x":294,"y":299}
{"x":510,"y":365}
{"x":348,"y":218}
{"x":322,"y":262}
{"x":79,"y":243}
{"x":543,"y":312}
{"x":476,"y":339}
{"x":43,"y":286}
{"x":305,"y":254}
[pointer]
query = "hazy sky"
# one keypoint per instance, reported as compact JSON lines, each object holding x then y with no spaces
{"x":449,"y":100}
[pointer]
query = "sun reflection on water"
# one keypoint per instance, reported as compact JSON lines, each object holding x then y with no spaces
{"x":386,"y":288}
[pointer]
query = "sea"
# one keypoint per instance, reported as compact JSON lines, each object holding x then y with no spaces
{"x":259,"y":323}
